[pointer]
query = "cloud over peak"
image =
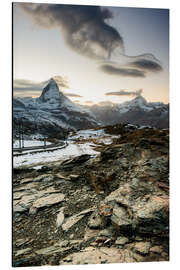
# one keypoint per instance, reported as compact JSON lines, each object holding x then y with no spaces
{"x":146,"y":64}
{"x":72,"y":95}
{"x":20,"y":85}
{"x":123,"y":92}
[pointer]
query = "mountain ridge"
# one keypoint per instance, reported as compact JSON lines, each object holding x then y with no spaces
{"x":136,"y":111}
{"x":54,"y":114}
{"x":50,"y":114}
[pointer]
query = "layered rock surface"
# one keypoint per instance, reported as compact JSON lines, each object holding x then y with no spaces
{"x":112,"y":208}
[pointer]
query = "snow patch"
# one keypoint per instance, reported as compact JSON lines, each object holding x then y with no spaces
{"x":87,"y":134}
{"x":30,"y":143}
{"x":72,"y":150}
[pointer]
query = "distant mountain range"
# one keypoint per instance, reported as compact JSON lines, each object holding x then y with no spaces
{"x":54,"y":114}
{"x":137,"y":111}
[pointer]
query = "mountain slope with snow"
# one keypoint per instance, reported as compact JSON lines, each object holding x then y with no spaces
{"x":52,"y":113}
{"x":137,"y":111}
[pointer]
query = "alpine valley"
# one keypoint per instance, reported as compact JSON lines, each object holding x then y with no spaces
{"x":96,"y":189}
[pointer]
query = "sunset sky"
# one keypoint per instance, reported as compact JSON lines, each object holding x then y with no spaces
{"x":102,"y":54}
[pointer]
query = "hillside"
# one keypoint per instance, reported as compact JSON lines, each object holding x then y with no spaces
{"x":110,"y":206}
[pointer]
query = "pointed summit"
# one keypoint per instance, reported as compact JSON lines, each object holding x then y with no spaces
{"x":52,"y":98}
{"x":139,"y":101}
{"x":50,"y":92}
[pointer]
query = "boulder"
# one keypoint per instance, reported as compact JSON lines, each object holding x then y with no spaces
{"x":152,"y":216}
{"x":48,"y":200}
{"x":60,"y":218}
{"x":44,"y":169}
{"x":156,"y":249}
{"x":120,"y":195}
{"x":52,"y":250}
{"x":121,"y":240}
{"x":23,"y":252}
{"x":93,"y":255}
{"x":76,"y":161}
{"x":108,"y":154}
{"x":142,"y":247}
{"x":96,"y":221}
{"x":74,"y":219}
{"x":24,"y":204}
{"x":121,"y":220}
{"x":108,"y":232}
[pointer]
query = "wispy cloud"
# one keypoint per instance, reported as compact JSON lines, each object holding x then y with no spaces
{"x":20,"y":85}
{"x":26,"y":85}
{"x":131,"y":66}
{"x":72,"y":95}
{"x":89,"y":102}
{"x":126,"y":72}
{"x":76,"y":101}
{"x":125,"y":93}
{"x":61,"y":81}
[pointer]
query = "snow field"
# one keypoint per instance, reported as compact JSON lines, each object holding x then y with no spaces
{"x":30,"y":143}
{"x":72,"y":150}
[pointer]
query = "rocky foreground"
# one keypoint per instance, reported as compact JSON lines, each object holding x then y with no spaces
{"x":112,"y":208}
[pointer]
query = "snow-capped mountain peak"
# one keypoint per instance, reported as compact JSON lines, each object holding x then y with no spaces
{"x":139,"y":101}
{"x":53,"y":98}
{"x":137,"y":111}
{"x":50,"y":92}
{"x":52,"y":112}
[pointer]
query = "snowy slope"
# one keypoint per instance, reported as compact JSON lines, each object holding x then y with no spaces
{"x":72,"y":150}
{"x":136,"y":111}
{"x":51,"y":113}
{"x":75,"y":147}
{"x":30,"y":143}
{"x":138,"y":103}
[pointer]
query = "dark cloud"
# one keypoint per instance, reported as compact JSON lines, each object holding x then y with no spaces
{"x":146,"y":65}
{"x":133,"y":66}
{"x":84,"y":27}
{"x":127,"y":72}
{"x":86,"y":31}
{"x":125,"y":93}
{"x":27,"y":85}
{"x":72,"y":95}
